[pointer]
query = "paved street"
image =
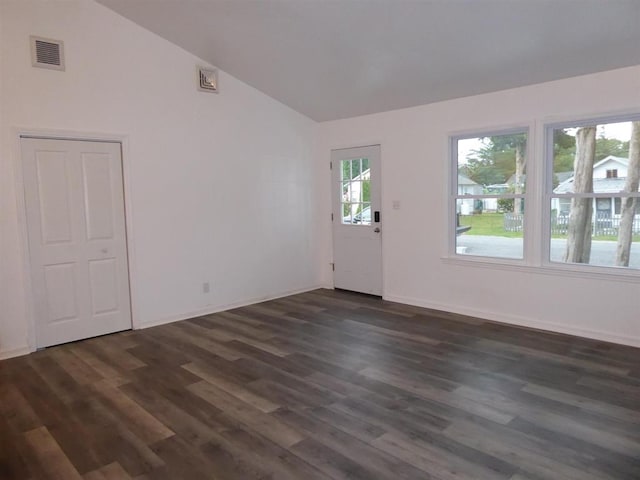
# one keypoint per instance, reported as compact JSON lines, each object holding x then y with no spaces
{"x":602,"y":253}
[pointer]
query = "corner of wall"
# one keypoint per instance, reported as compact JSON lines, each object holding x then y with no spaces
{"x":15,"y":352}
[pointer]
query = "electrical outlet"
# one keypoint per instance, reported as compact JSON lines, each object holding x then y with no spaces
{"x":205,"y":287}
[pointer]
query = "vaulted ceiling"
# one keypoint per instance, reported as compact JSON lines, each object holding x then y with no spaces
{"x":331,"y":59}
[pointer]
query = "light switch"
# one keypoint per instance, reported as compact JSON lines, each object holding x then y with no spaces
{"x":396,"y":204}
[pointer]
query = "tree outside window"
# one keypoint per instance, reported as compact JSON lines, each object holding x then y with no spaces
{"x":490,"y":192}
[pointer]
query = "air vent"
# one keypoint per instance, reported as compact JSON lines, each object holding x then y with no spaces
{"x":207,"y":79}
{"x":47,"y":53}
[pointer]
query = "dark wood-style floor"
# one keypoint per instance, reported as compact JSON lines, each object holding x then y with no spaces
{"x":323,"y":385}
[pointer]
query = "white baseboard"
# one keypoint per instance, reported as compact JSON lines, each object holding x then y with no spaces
{"x":221,"y":308}
{"x":520,"y":321}
{"x":15,"y":352}
{"x":492,"y":316}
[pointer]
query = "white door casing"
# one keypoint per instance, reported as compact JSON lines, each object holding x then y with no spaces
{"x":77,"y":239}
{"x":357,"y":229}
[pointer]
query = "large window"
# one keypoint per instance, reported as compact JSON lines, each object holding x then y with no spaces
{"x":489,"y":194}
{"x":593,"y":193}
{"x":579,"y":209}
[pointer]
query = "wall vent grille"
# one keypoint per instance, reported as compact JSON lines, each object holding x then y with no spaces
{"x":47,"y":53}
{"x":207,"y":79}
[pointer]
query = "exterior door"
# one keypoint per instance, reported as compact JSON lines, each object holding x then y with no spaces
{"x":77,"y":241}
{"x":357,"y":226}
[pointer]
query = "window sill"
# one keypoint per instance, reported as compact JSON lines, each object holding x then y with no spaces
{"x":617,"y":274}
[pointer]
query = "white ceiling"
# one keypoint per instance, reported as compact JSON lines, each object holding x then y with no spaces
{"x":332,"y":59}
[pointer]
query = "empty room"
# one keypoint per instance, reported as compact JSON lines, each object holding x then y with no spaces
{"x":320,"y":239}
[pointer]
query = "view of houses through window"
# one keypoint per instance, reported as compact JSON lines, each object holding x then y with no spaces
{"x":595,"y":209}
{"x":490,"y":206}
{"x":592,"y":194}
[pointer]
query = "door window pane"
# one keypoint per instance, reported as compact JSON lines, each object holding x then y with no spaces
{"x":356,"y":191}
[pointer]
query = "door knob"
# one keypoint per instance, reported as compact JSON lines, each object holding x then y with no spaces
{"x":376,"y":230}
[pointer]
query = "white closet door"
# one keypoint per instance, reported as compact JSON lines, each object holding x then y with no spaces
{"x":77,"y":240}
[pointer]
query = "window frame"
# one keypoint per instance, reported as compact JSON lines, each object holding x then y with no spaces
{"x":548,"y":195}
{"x":454,"y":196}
{"x":536,"y":248}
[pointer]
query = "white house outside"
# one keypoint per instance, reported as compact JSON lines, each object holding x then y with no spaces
{"x":466,"y":186}
{"x":609,"y":177}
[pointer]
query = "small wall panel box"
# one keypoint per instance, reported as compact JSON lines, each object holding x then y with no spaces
{"x":47,"y":53}
{"x":207,"y":80}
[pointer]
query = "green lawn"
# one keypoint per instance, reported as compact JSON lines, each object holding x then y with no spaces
{"x":487,"y":224}
{"x":493,"y":224}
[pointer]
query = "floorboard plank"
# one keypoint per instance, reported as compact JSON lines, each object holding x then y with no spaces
{"x":50,"y":456}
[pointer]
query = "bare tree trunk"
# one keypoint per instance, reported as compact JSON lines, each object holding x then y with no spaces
{"x":628,"y":212}
{"x":579,"y":229}
{"x":521,"y":162}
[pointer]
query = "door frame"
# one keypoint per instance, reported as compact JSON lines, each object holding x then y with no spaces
{"x":345,"y":146}
{"x":68,"y":135}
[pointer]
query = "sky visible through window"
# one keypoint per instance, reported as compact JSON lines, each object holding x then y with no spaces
{"x":620,"y":131}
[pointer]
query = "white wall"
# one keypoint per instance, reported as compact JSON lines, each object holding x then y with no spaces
{"x":220,"y":187}
{"x":414,"y":172}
